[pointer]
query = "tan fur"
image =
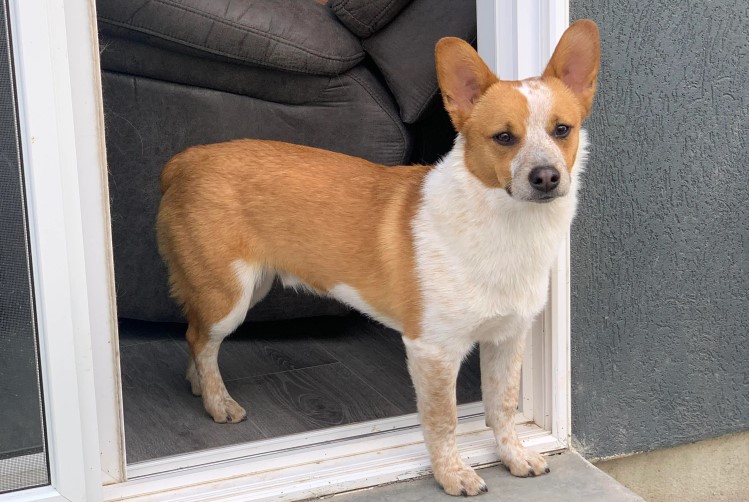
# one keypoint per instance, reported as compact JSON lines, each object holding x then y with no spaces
{"x":565,"y":113}
{"x":501,"y":109}
{"x":463,"y":78}
{"x":324,"y":217}
{"x":575,"y":62}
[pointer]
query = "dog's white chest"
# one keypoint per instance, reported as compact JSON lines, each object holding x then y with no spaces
{"x":491,"y":299}
{"x":483,"y":259}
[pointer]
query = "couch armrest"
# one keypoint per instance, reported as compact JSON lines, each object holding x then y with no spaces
{"x":290,"y":35}
{"x":366,"y":17}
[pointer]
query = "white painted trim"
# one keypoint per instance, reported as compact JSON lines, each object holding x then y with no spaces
{"x":43,"y":494}
{"x":559,"y":325}
{"x":300,"y":474}
{"x":48,"y":147}
{"x":555,"y":14}
{"x":315,"y":463}
{"x":542,"y":390}
{"x":486,"y":34}
{"x":525,"y":37}
{"x":88,"y":118}
{"x":306,"y":440}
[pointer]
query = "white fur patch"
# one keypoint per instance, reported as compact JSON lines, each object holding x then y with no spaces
{"x":255,"y":283}
{"x":483,"y":257}
{"x":295,"y":283}
{"x":538,"y":148}
{"x":351,"y":297}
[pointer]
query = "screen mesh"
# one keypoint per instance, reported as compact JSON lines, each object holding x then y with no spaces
{"x":23,"y":451}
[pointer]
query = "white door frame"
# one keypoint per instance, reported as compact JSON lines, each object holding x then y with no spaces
{"x":516,"y":39}
{"x":65,"y":161}
{"x":51,"y":123}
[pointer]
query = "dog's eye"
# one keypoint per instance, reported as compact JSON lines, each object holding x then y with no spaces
{"x":561,"y":131}
{"x":504,"y":138}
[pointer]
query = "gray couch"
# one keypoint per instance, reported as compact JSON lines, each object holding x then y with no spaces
{"x":354,"y":76}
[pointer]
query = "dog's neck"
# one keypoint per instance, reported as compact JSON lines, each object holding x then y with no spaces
{"x":487,"y":228}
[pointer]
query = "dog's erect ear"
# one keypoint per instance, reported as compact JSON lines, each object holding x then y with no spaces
{"x":575,"y":61}
{"x":463,"y":77}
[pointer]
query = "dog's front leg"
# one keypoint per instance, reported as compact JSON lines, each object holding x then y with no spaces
{"x":434,"y":372}
{"x":500,"y":385}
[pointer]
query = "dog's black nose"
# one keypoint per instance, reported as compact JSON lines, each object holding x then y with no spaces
{"x":544,"y":178}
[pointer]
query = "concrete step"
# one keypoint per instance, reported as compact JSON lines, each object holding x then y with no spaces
{"x":572,"y":479}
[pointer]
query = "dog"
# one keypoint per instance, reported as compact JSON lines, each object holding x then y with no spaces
{"x":450,"y":255}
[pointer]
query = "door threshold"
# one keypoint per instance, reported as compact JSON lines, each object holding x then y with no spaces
{"x":313,"y":464}
{"x":297,"y":442}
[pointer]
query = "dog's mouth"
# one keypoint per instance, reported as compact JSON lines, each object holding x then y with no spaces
{"x":545,"y":199}
{"x":539,"y":198}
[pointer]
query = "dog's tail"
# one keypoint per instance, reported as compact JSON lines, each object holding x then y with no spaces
{"x":169,"y":172}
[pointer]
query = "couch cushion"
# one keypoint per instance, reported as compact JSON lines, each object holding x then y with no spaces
{"x":291,"y":35}
{"x":365,"y":17}
{"x":123,"y":55}
{"x":404,"y":49}
{"x":148,"y":121}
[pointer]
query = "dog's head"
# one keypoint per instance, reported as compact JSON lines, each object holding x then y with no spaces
{"x":522,"y":136}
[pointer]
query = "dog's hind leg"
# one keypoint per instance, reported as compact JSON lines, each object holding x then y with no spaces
{"x":434,"y":371}
{"x":204,"y":337}
{"x":500,"y":386}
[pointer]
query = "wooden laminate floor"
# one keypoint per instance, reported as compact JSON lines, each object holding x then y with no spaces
{"x":291,"y":377}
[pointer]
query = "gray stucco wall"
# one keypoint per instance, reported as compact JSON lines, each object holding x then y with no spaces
{"x":660,"y":249}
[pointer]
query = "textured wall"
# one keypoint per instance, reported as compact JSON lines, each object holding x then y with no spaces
{"x":660,"y":250}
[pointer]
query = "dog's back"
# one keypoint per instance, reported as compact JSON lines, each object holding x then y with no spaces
{"x":312,"y":216}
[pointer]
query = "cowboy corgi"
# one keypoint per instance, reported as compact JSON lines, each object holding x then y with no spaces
{"x":450,"y":255}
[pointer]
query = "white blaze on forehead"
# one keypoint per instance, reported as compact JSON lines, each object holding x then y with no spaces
{"x":538,"y":148}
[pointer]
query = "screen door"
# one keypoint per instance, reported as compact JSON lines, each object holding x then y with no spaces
{"x":23,"y":451}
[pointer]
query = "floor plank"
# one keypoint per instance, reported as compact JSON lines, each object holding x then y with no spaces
{"x":469,"y":379}
{"x":308,"y":399}
{"x":162,"y":417}
{"x":291,"y":376}
{"x":375,"y":354}
{"x":269,"y":347}
{"x":378,"y":356}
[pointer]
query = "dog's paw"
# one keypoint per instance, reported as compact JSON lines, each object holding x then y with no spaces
{"x":461,"y":481}
{"x":524,"y":463}
{"x":225,"y":410}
